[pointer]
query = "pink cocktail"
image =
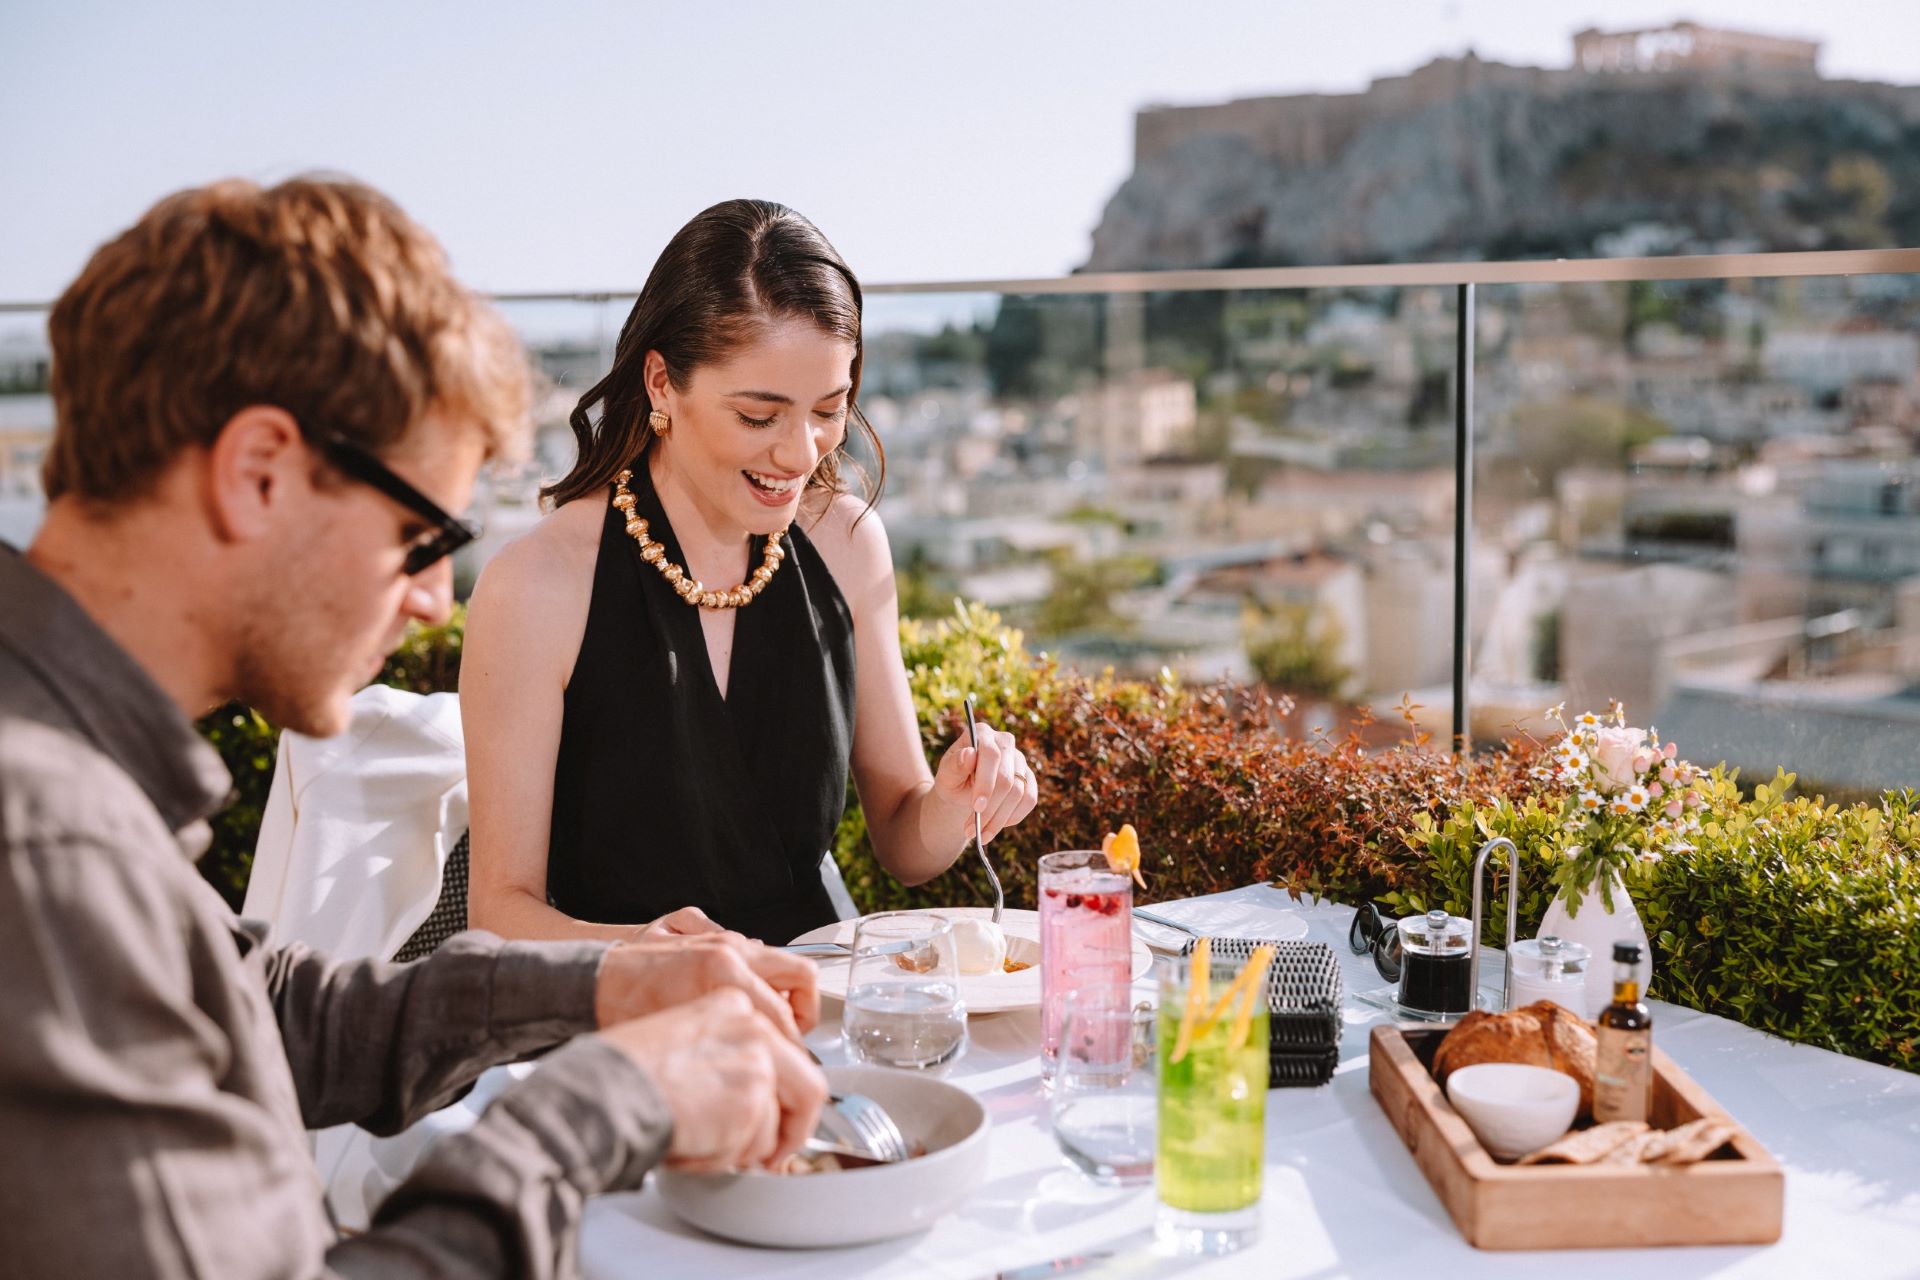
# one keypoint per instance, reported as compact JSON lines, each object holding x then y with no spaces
{"x":1086,"y":936}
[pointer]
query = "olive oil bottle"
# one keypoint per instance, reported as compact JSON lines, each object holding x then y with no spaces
{"x":1623,"y":1076}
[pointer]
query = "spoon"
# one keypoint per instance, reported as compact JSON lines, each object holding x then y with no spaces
{"x":999,"y":895}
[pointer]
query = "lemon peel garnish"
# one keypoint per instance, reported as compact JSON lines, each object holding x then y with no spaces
{"x":1197,"y":977}
{"x":1254,"y":975}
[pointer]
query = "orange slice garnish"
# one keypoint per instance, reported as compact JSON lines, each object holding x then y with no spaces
{"x":1123,"y":852}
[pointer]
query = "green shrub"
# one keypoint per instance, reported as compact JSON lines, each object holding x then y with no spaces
{"x":1219,"y":795}
{"x":1788,"y":914}
{"x":248,"y":745}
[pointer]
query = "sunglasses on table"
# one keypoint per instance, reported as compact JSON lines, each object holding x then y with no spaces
{"x":447,"y":533}
{"x":1375,"y":932}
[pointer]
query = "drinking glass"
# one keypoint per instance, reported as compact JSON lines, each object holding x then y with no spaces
{"x":1212,"y":1118}
{"x":903,"y":993}
{"x":1086,"y":936}
{"x":1104,"y":1090}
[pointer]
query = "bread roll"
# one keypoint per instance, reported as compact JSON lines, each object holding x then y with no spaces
{"x":1541,"y":1034}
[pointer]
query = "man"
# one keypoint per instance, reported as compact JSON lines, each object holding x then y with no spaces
{"x":266,"y":403}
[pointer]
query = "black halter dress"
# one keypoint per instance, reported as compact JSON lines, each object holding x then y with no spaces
{"x":667,"y":795}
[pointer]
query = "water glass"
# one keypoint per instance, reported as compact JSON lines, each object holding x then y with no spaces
{"x":1105,"y":1085}
{"x":1086,"y":936}
{"x":1212,"y":1116}
{"x":903,"y":993}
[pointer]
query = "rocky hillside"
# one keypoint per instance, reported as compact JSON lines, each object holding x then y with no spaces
{"x":1525,"y":163}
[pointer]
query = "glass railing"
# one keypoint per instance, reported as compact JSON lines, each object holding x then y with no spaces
{"x":1690,"y":484}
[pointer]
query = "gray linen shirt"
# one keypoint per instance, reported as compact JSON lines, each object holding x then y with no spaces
{"x":160,"y":1062}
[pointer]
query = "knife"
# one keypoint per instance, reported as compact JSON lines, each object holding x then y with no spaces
{"x":1165,"y":923}
{"x":834,"y":950}
{"x":1055,"y":1267}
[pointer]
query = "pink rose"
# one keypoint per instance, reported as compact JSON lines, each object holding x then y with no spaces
{"x":1675,"y":807}
{"x":1668,"y":775}
{"x":1613,"y":757}
{"x":1670,"y":750}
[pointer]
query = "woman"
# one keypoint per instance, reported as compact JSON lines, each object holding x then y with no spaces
{"x":639,"y":742}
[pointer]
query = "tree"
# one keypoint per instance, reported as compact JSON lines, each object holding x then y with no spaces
{"x":1579,"y":431}
{"x":1082,"y":595}
{"x":1296,"y":648}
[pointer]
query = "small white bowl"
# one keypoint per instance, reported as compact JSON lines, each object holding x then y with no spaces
{"x":853,"y":1206}
{"x":1512,"y":1108}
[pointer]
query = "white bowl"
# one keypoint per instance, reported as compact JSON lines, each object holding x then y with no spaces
{"x":853,"y":1206}
{"x":1514,"y":1109}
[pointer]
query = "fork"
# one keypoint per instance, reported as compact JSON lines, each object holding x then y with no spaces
{"x":999,"y":895}
{"x":879,"y":1137}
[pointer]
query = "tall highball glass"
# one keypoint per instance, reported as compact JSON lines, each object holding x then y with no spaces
{"x":1086,"y":937}
{"x":1213,"y":1109}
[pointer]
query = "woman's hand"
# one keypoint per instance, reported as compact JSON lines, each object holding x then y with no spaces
{"x":995,"y":781}
{"x":683,"y":923}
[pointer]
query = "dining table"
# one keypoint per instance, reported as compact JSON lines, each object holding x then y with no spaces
{"x":1341,"y":1194}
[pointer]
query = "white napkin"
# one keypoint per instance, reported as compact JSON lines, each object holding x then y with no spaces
{"x":1254,"y":911}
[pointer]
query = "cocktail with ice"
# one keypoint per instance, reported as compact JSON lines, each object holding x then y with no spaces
{"x":1211,"y":1129}
{"x":1086,"y":936}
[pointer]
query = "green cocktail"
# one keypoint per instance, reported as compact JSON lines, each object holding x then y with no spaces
{"x":1212,"y":1113}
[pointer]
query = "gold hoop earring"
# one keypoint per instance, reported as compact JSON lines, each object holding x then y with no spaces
{"x":659,"y":422}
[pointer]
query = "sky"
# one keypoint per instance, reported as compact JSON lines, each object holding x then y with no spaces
{"x":557,"y":146}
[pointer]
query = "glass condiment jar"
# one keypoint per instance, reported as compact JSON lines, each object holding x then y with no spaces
{"x":1549,"y":968}
{"x":1436,"y":962}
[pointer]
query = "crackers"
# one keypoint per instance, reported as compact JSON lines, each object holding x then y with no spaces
{"x":1632,"y":1142}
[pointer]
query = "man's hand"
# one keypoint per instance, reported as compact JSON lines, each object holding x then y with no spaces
{"x":742,"y":1094}
{"x":654,"y":973}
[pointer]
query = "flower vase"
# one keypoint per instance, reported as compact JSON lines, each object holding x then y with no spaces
{"x":1597,"y":928}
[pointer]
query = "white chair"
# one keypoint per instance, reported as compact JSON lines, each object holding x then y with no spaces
{"x":358,"y":828}
{"x":353,"y":846}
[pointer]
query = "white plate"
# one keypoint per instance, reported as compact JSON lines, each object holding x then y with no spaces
{"x":983,"y":992}
{"x":854,"y":1206}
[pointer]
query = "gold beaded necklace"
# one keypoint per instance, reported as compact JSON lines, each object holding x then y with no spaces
{"x":689,"y":588}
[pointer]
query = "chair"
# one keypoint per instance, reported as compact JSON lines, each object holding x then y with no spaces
{"x":359,"y":829}
{"x":362,"y":853}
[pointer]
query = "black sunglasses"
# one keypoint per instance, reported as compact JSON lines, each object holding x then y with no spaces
{"x":450,"y":532}
{"x":1374,"y":931}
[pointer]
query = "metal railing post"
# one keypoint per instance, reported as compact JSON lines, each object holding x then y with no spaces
{"x":1462,"y":510}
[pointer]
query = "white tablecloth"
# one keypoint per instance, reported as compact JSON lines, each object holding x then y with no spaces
{"x":1342,"y":1196}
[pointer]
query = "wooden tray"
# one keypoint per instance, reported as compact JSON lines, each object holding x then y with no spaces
{"x":1734,"y":1197}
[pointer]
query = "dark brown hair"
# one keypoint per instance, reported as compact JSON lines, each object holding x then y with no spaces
{"x":318,"y":295}
{"x":720,"y":279}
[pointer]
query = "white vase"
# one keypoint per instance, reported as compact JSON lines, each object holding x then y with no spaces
{"x":1597,"y":928}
